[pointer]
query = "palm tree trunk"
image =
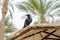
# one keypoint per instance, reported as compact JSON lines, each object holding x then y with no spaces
{"x":2,"y":28}
{"x":4,"y":11}
{"x":43,"y":20}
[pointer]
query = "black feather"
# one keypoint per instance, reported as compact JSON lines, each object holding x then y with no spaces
{"x":28,"y":20}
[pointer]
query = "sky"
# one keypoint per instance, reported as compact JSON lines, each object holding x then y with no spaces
{"x":18,"y":15}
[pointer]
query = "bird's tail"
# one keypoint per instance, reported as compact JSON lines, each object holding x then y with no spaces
{"x":24,"y":26}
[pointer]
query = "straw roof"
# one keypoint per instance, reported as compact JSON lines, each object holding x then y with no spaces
{"x":30,"y":30}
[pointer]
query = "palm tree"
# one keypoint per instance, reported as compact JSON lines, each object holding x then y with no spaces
{"x":4,"y":12}
{"x":9,"y":27}
{"x":44,"y":8}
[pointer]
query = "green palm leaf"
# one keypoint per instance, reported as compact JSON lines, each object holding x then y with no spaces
{"x":23,"y":8}
{"x":12,"y":7}
{"x":41,"y":7}
{"x":9,"y":27}
{"x":10,"y":13}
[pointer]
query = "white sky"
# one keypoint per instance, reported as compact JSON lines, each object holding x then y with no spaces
{"x":17,"y":16}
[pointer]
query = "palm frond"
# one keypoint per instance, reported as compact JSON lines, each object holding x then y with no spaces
{"x":28,"y":4}
{"x":10,"y":1}
{"x":22,"y":7}
{"x":48,"y":5}
{"x":10,"y":13}
{"x":53,"y":7}
{"x":34,"y":3}
{"x":9,"y":27}
{"x":56,"y":13}
{"x":12,"y":7}
{"x":42,"y":7}
{"x":51,"y":16}
{"x":29,"y":7}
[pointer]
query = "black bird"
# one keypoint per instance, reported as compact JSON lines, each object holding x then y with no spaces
{"x":27,"y":21}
